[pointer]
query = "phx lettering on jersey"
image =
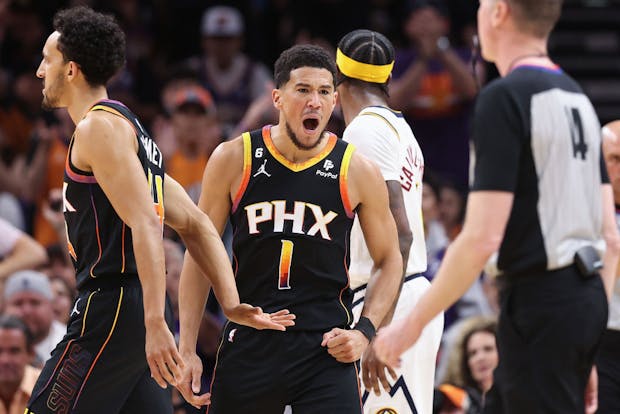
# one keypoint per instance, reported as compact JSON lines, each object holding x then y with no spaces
{"x":275,"y":212}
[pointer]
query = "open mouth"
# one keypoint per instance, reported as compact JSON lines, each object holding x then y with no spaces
{"x":311,"y":124}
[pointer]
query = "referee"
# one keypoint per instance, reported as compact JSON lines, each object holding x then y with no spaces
{"x":541,"y":199}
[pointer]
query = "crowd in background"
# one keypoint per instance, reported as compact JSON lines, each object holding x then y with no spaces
{"x":198,"y":74}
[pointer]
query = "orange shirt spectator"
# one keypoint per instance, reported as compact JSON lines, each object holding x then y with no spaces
{"x":197,"y":133}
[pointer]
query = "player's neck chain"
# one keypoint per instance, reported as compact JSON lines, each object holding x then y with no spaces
{"x":522,"y":57}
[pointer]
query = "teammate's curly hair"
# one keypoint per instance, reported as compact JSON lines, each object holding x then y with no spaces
{"x":302,"y":56}
{"x":92,"y":40}
{"x":366,"y":46}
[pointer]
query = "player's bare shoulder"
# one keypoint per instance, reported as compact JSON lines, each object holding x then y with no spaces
{"x":225,"y":165}
{"x":228,"y":156}
{"x":99,"y":134}
{"x":365,"y":179}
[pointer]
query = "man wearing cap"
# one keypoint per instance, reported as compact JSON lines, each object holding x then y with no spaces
{"x":28,"y":295}
{"x":234,"y":80}
{"x":197,"y":133}
{"x":365,"y":60}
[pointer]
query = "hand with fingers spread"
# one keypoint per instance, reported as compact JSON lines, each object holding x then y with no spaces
{"x":393,"y":340}
{"x":374,"y":372}
{"x":345,"y":345}
{"x":189,"y":383}
{"x":254,"y":317}
{"x":164,"y":360}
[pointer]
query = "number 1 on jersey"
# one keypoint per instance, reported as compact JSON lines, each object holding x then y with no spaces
{"x":286,"y":255}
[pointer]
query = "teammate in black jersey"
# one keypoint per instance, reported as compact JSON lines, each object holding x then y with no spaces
{"x":291,"y":191}
{"x":114,"y":208}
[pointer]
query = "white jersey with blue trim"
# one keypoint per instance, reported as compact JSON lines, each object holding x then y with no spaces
{"x":383,"y":136}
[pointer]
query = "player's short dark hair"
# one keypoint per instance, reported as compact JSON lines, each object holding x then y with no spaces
{"x":300,"y":56}
{"x":366,"y":46}
{"x":538,"y":17}
{"x":92,"y":40}
{"x":13,"y":322}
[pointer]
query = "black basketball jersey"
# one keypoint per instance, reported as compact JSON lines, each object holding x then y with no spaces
{"x":291,"y":226}
{"x":100,"y":243}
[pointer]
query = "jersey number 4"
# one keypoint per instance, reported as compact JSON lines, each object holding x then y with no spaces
{"x":580,"y":148}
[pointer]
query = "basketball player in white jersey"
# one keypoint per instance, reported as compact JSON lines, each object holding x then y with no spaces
{"x":365,"y":59}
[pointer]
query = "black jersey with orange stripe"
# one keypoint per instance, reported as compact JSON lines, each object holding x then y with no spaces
{"x":100,"y":243}
{"x":292,"y":224}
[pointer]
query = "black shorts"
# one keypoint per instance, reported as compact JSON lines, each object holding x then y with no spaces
{"x":100,"y":365}
{"x":608,"y":366}
{"x":263,"y":371}
{"x":549,"y":331}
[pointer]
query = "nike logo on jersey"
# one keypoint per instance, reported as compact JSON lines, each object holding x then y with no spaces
{"x":231,"y":335}
{"x":275,"y":213}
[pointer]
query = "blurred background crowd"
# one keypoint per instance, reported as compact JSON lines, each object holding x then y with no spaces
{"x":200,"y":72}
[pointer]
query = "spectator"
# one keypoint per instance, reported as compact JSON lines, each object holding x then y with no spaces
{"x":197,"y":133}
{"x":59,"y":265}
{"x":48,"y":171}
{"x":29,"y":296}
{"x":234,"y":80}
{"x":433,"y":85}
{"x":471,"y":362}
{"x":435,"y":234}
{"x":452,"y":207}
{"x":19,"y":121}
{"x":64,"y":297}
{"x":17,"y":377}
{"x":18,"y":251}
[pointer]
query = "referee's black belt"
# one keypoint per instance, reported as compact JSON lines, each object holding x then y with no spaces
{"x":534,"y":275}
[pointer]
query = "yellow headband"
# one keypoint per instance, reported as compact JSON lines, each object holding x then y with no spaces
{"x":363,"y":71}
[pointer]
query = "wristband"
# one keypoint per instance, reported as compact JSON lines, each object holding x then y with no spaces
{"x":365,"y":326}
